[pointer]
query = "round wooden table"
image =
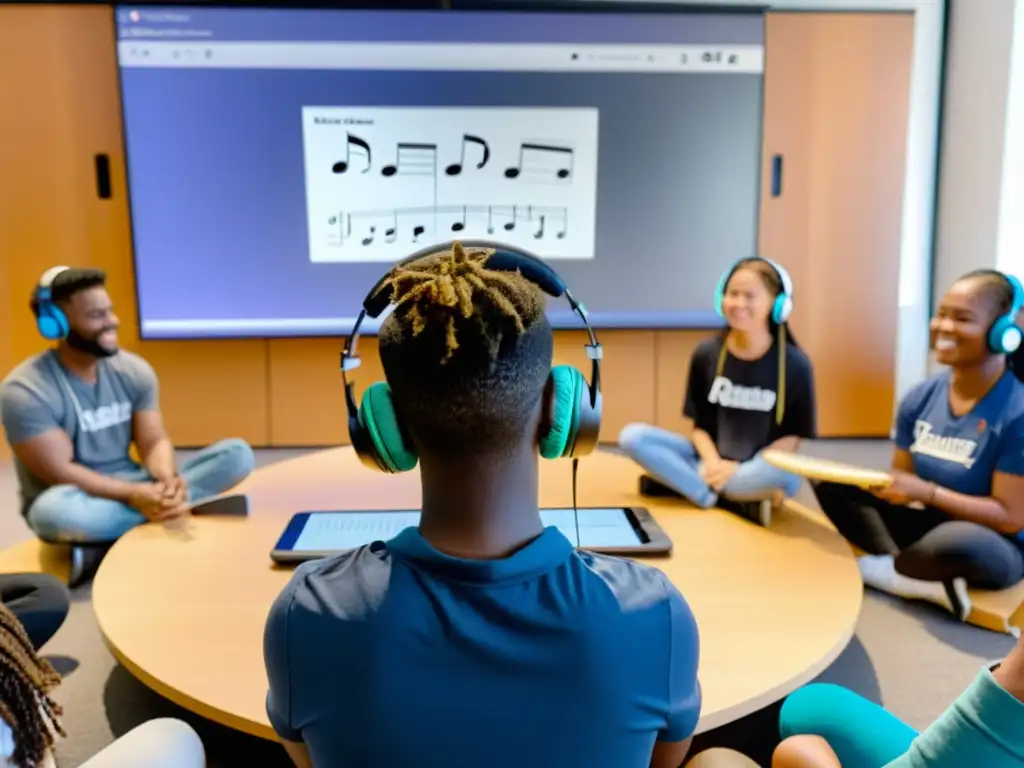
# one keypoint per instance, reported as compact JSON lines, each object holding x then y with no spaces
{"x":183,"y":610}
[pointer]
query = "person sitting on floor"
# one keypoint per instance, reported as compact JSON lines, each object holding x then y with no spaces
{"x":30,"y":718}
{"x":953,"y":516}
{"x":72,"y":413}
{"x":826,"y":726}
{"x":749,"y":388}
{"x":480,"y":637}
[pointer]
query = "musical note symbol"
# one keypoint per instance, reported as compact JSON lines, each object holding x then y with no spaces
{"x":456,"y":168}
{"x":342,"y":165}
{"x":458,"y":226}
{"x":369,"y":239}
{"x":416,"y":232}
{"x":538,"y":158}
{"x":391,"y":233}
{"x":413,"y":159}
{"x":540,"y":230}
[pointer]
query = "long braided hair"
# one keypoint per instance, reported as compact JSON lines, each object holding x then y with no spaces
{"x":25,"y":704}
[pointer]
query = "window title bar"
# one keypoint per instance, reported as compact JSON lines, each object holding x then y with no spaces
{"x":738,"y":59}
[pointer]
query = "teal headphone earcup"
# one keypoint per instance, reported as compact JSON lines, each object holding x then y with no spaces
{"x":377,"y":415}
{"x":51,"y":322}
{"x":1004,"y":337}
{"x":781,"y":308}
{"x":720,"y":292}
{"x":567,"y":383}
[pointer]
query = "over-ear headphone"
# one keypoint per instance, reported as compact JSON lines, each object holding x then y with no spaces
{"x":50,"y":319}
{"x":783,"y":305}
{"x":1005,"y":336}
{"x":575,"y":420}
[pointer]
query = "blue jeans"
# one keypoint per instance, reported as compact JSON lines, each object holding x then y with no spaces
{"x":66,"y":513}
{"x":672,"y":460}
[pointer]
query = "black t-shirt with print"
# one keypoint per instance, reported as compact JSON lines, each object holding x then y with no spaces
{"x":737,"y":409}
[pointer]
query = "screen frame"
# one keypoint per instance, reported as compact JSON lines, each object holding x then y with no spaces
{"x":654,"y":540}
{"x":560,"y":320}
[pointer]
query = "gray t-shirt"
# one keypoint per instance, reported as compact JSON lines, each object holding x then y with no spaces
{"x":40,"y":395}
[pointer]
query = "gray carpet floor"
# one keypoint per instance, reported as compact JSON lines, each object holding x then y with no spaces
{"x":912,"y":658}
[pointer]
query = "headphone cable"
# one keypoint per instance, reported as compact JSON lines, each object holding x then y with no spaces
{"x":575,"y":509}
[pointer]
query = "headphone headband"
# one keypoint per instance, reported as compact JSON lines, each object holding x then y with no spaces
{"x":1017,"y":303}
{"x":46,"y":281}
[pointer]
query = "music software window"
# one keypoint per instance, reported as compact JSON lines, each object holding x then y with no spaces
{"x":279,"y":160}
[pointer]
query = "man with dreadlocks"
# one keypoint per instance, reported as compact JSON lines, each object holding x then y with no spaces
{"x":480,"y":638}
{"x":30,"y":725}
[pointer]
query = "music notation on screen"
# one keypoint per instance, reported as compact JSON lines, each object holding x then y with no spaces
{"x":536,"y":161}
{"x":410,"y":224}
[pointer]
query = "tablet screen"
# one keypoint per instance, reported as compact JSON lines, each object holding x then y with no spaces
{"x":330,"y":531}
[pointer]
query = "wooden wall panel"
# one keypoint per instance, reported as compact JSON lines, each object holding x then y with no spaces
{"x":673,"y":351}
{"x":836,"y":107}
{"x":307,"y":399}
{"x":627,"y":375}
{"x":836,"y":89}
{"x":210,"y":390}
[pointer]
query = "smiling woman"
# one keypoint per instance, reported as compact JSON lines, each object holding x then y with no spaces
{"x":749,"y":388}
{"x":959,"y":455}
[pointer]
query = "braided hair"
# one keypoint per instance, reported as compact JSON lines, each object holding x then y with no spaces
{"x":25,"y":704}
{"x":467,"y":351}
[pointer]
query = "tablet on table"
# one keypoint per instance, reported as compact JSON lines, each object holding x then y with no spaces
{"x":608,"y":530}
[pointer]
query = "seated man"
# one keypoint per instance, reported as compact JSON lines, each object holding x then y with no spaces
{"x":480,"y":637}
{"x":72,"y":413}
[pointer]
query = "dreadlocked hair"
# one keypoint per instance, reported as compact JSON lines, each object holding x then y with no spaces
{"x":466,"y":351}
{"x":25,"y":705}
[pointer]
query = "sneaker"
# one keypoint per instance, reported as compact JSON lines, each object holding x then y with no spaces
{"x":85,"y":560}
{"x":759,"y":512}
{"x":879,"y":572}
{"x":651,"y":487}
{"x":959,"y":598}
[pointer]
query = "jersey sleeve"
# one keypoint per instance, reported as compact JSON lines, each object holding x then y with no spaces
{"x":24,"y":415}
{"x":684,"y":694}
{"x":277,"y":659}
{"x":145,"y":386}
{"x":695,"y":405}
{"x":1011,"y":448}
{"x":800,"y":418}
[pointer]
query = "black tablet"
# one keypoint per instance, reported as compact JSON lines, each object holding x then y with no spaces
{"x":609,"y":530}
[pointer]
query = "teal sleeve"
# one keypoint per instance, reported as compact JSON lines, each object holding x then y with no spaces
{"x":984,"y":727}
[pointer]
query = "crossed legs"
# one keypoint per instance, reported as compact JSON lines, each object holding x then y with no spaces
{"x":65,"y":513}
{"x":673,"y":461}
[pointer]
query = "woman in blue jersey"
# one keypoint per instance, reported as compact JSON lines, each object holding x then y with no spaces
{"x":954,"y":514}
{"x":749,"y":388}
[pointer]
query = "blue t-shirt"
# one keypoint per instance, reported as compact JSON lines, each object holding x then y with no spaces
{"x":962,"y":452}
{"x":397,"y":654}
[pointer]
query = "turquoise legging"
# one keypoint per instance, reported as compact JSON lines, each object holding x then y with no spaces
{"x":861,"y":733}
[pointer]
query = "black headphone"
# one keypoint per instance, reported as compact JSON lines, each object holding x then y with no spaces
{"x":374,"y":427}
